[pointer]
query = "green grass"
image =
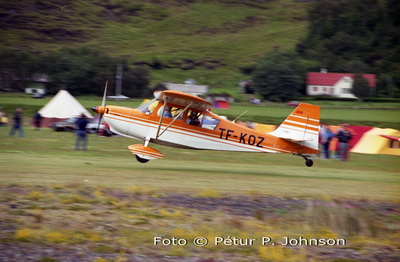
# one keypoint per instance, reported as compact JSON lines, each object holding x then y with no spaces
{"x":46,"y":157}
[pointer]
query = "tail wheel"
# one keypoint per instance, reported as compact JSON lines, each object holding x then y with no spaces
{"x":309,"y":162}
{"x":141,"y":160}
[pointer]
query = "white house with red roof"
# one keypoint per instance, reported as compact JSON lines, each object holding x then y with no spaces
{"x":334,"y":84}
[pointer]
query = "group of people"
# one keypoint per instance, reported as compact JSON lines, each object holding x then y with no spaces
{"x":17,"y":125}
{"x":344,"y":134}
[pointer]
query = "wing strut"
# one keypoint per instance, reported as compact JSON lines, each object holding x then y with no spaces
{"x":175,"y":118}
{"x":161,"y":117}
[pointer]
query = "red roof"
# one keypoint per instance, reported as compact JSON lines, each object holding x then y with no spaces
{"x":330,"y":79}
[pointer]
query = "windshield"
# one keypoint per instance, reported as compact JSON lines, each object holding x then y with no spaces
{"x":148,"y":107}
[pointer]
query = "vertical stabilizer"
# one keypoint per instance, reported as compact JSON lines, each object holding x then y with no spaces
{"x":301,"y":126}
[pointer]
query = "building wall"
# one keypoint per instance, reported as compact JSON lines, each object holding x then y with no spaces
{"x":315,"y":90}
{"x":343,"y":88}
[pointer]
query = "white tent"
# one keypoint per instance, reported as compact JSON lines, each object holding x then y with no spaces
{"x":61,"y":107}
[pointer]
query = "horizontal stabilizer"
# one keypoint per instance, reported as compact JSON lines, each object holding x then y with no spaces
{"x":145,"y":152}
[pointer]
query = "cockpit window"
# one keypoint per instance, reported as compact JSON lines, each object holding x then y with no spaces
{"x":194,"y":118}
{"x":171,"y":112}
{"x":201,"y":120}
{"x":209,"y":122}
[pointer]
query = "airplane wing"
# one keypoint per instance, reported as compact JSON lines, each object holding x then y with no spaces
{"x":176,"y":98}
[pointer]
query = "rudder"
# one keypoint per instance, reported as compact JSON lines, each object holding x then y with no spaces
{"x":301,"y":126}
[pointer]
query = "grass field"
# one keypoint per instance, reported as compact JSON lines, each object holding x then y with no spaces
{"x":46,"y":157}
{"x":104,"y":202}
{"x":57,"y":202}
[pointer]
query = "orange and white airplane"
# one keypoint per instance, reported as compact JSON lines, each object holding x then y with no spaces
{"x":182,"y":120}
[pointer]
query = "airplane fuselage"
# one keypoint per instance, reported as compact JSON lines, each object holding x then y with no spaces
{"x":215,"y":132}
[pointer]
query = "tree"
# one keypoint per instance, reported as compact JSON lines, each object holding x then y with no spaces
{"x":17,"y":69}
{"x":278,"y":77}
{"x":136,"y":82}
{"x":364,"y":36}
{"x":361,"y":88}
{"x":80,"y":70}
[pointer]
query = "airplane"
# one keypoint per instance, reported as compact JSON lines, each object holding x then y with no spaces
{"x":183,"y":120}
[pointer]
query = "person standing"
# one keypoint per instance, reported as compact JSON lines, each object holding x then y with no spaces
{"x":344,"y":135}
{"x":37,"y":120}
{"x":17,"y":123}
{"x":325,"y":138}
{"x":81,"y":133}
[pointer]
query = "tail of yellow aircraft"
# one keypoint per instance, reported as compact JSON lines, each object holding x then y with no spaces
{"x":301,"y":126}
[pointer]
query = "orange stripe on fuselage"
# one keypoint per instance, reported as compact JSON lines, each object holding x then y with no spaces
{"x":129,"y":115}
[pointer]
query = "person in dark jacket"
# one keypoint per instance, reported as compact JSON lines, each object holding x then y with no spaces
{"x":37,"y":120}
{"x":344,"y":135}
{"x":17,"y":123}
{"x":81,"y":133}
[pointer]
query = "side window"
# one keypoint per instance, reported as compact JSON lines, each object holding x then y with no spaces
{"x":194,"y":118}
{"x":171,"y":112}
{"x":209,"y":122}
{"x":176,"y":111}
{"x":198,"y":119}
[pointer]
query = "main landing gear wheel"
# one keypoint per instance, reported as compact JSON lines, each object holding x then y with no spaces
{"x":141,"y":160}
{"x":309,"y":162}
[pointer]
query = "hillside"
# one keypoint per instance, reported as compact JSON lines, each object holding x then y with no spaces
{"x":201,"y":39}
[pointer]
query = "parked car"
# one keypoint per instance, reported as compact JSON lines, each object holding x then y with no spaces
{"x":38,"y":95}
{"x":69,"y":125}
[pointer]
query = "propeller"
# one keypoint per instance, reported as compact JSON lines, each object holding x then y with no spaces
{"x":101,"y":110}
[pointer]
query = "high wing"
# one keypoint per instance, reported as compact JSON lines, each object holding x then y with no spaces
{"x":176,"y":98}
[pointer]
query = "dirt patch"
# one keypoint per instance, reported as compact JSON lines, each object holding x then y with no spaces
{"x":76,"y":223}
